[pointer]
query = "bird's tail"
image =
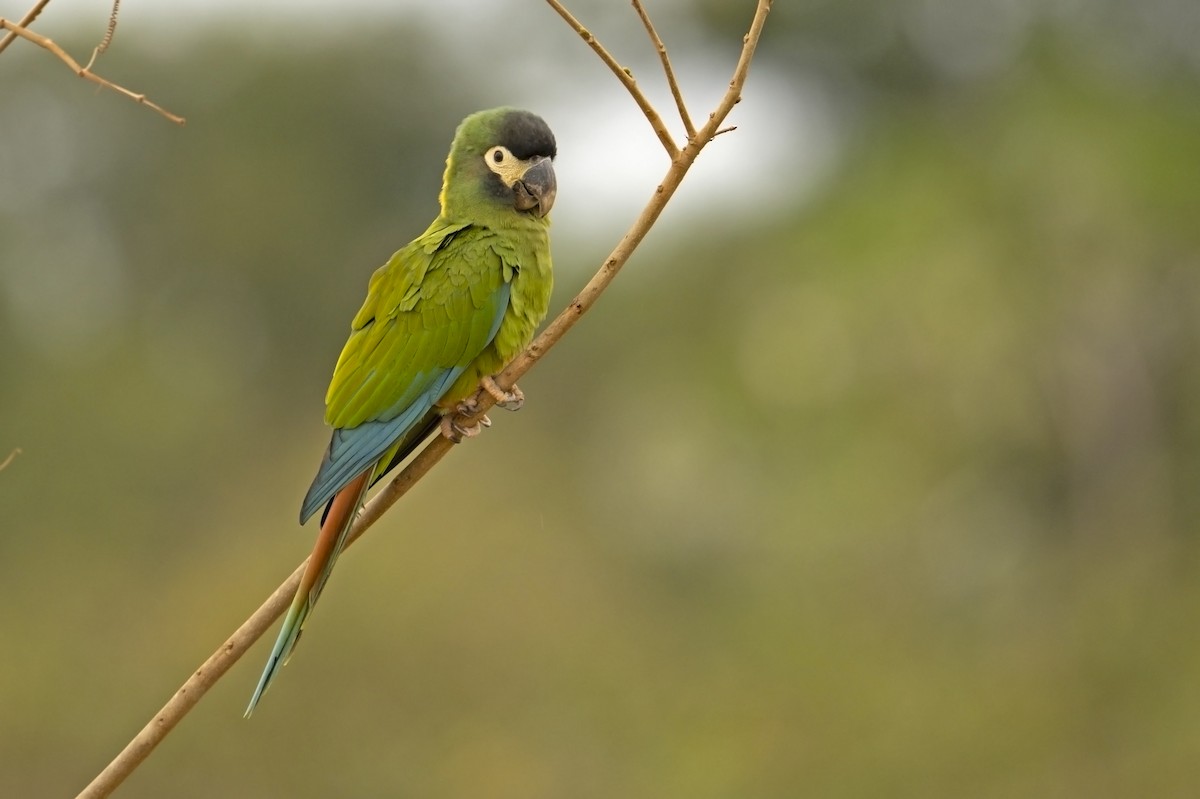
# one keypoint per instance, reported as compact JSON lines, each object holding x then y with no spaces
{"x":334,"y":526}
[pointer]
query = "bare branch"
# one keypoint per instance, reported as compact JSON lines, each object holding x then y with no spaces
{"x":734,"y":95}
{"x":198,"y":684}
{"x":219,"y":662}
{"x":25,"y":22}
{"x":192,"y":691}
{"x":83,"y":72}
{"x":666,"y":62}
{"x":623,"y":75}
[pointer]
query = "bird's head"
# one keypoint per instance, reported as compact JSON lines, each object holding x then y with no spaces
{"x":501,"y":159}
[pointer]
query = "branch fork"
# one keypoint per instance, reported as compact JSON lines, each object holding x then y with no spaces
{"x":21,"y":30}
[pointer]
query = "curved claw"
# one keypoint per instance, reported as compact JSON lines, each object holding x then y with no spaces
{"x":456,"y":432}
{"x":467,"y":407}
{"x":511,"y":400}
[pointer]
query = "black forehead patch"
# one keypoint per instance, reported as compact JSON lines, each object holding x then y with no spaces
{"x":527,"y":135}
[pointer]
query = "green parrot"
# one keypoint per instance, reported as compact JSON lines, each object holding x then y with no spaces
{"x":442,"y":316}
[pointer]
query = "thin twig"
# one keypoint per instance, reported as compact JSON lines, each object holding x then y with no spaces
{"x":666,"y":63}
{"x":195,"y":687}
{"x":108,"y":34}
{"x":43,"y":42}
{"x":734,"y":95}
{"x":192,"y":691}
{"x":25,"y":22}
{"x":9,"y":458}
{"x":623,"y":75}
{"x":219,"y":662}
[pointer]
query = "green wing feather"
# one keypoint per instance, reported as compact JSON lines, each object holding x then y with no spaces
{"x":430,"y":312}
{"x":417,"y":320}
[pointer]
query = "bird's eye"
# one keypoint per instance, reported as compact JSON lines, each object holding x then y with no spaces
{"x":502,"y":162}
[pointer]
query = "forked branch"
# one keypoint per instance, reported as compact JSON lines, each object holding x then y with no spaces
{"x":624,"y":75}
{"x":19,"y":29}
{"x":212,"y":669}
{"x":672,"y":83}
{"x":25,"y":22}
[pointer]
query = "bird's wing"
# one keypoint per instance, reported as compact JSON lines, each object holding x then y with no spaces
{"x":430,"y":310}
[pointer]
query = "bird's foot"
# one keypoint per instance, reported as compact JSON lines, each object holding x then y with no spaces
{"x":455,"y":431}
{"x":452,"y":423}
{"x":510,"y":400}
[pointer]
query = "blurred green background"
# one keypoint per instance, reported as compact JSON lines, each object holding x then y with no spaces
{"x":873,"y":475}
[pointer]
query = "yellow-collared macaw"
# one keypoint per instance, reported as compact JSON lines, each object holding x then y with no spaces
{"x":442,"y":316}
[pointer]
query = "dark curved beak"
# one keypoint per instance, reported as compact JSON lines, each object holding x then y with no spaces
{"x":536,"y":189}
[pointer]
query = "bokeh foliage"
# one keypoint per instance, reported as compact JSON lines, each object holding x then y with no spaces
{"x":889,"y":493}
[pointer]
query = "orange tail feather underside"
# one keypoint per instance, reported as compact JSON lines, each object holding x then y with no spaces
{"x":330,"y":541}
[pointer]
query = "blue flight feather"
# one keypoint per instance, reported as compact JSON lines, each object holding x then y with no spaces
{"x":353,"y":449}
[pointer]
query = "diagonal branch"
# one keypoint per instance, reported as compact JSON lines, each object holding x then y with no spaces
{"x":25,"y":22}
{"x":84,"y":72}
{"x":623,"y":75}
{"x":734,"y":95}
{"x":688,"y":127}
{"x":190,"y":693}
